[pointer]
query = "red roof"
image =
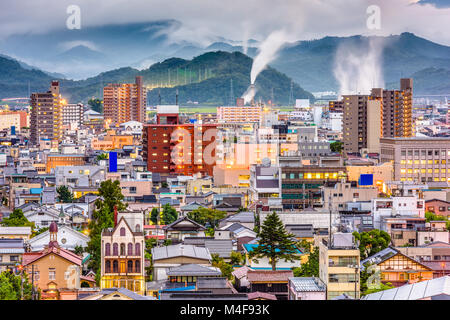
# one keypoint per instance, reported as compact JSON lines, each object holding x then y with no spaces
{"x":152,"y":226}
{"x":30,"y":257}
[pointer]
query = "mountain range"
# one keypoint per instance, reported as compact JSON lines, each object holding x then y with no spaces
{"x":207,"y":79}
{"x":98,"y":55}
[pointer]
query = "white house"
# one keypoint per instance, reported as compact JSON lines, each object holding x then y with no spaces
{"x":396,"y":206}
{"x":68,"y":238}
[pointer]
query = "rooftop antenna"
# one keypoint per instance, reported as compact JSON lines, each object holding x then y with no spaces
{"x":231,"y":93}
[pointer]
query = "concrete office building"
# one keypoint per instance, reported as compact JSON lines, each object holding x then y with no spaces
{"x":417,"y":159}
{"x":73,"y":114}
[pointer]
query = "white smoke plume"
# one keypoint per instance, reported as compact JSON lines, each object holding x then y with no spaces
{"x":358,"y":67}
{"x":268,"y":50}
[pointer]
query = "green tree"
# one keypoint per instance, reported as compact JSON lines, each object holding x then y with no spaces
{"x":79,"y":250}
{"x":236,"y":258}
{"x":430,"y":216}
{"x":103,"y":156}
{"x":12,"y":288}
{"x":169,"y":214}
{"x":224,"y":267}
{"x":96,"y":104}
{"x":154,"y":216}
{"x":371,"y":242}
{"x":275,"y":243}
{"x":205,"y":216}
{"x":38,"y":232}
{"x":336,"y":146}
{"x":364,"y":277}
{"x":64,"y":194}
{"x":110,"y":195}
{"x":311,"y":267}
{"x":17,"y":219}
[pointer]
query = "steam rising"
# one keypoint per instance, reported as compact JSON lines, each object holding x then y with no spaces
{"x":358,"y":67}
{"x":267,"y":53}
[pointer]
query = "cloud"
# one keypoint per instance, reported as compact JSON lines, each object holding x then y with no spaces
{"x":204,"y":21}
{"x":67,"y":45}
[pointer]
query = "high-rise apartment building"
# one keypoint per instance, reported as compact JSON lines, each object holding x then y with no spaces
{"x":361,"y":123}
{"x":124,"y":102}
{"x":46,"y":115}
{"x":383,"y":113}
{"x":171,"y":147}
{"x":73,"y":114}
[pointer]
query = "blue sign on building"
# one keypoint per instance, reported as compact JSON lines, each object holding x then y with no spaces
{"x":366,"y":180}
{"x":113,"y":162}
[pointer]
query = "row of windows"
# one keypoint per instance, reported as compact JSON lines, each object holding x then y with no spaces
{"x":425,"y":152}
{"x":423,"y":161}
{"x":123,"y":252}
{"x":129,"y":269}
{"x":310,"y":175}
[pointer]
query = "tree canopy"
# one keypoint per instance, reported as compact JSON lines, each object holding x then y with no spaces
{"x":11,"y":289}
{"x":311,"y":267}
{"x":371,"y":242}
{"x":17,"y":219}
{"x":64,"y":194}
{"x":205,"y":216}
{"x":275,"y":242}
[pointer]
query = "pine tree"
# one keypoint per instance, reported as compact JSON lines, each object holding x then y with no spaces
{"x":275,"y":242}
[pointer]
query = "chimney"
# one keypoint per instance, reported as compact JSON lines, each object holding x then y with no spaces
{"x":115,"y":215}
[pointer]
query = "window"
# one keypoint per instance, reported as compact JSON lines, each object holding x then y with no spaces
{"x":122,"y":232}
{"x":115,"y":266}
{"x":51,"y":274}
{"x":122,"y":249}
{"x":355,"y":195}
{"x":115,"y":249}
{"x":132,"y":189}
{"x":108,"y":266}
{"x":130,"y":249}
{"x":14,"y":258}
{"x":137,"y":266}
{"x":107,"y":249}
{"x":137,"y":249}
{"x":130,"y":266}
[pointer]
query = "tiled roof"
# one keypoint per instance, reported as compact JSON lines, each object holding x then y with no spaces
{"x":15,"y":230}
{"x":241,"y":272}
{"x":269,"y":276}
{"x":212,"y":283}
{"x":63,"y":253}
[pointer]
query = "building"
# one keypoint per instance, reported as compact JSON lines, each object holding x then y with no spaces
{"x":239,"y":114}
{"x":408,"y":206}
{"x":435,"y":289}
{"x":171,"y":147}
{"x":339,"y":265}
{"x":46,"y":115}
{"x":397,"y":268}
{"x":301,"y":186}
{"x":307,"y":288}
{"x":73,"y":114}
{"x":15,"y":233}
{"x":438,"y":207}
{"x":383,"y":113}
{"x":124,"y":102}
{"x":18,"y":119}
{"x":265,"y":184}
{"x":167,"y":257}
{"x":361,"y":123}
{"x":55,"y":269}
{"x":344,"y":192}
{"x":58,"y":160}
{"x":11,"y":251}
{"x":417,"y":159}
{"x":122,"y":252}
{"x":273,"y":282}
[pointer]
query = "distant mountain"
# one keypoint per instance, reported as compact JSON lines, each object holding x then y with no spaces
{"x":312,"y":62}
{"x":435,"y":80}
{"x":81,"y":53}
{"x":204,"y":79}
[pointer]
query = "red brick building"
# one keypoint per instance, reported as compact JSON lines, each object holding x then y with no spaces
{"x":173,"y":148}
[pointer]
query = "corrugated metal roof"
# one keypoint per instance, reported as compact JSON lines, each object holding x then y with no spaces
{"x":180,"y":250}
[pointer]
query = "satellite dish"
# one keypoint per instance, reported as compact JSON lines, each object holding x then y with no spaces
{"x":266,"y":162}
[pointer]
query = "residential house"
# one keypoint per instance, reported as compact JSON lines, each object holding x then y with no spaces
{"x":307,"y":288}
{"x":68,"y":239}
{"x":274,"y":282}
{"x":15,"y":233}
{"x":184,"y":227}
{"x":11,"y":251}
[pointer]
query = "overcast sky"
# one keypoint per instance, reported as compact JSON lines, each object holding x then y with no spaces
{"x":203,"y":20}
